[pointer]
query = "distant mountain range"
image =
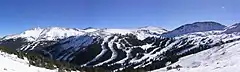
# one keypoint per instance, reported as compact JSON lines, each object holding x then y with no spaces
{"x":187,"y":48}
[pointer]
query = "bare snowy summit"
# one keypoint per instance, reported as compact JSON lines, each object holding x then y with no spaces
{"x":49,"y":33}
{"x":195,"y":27}
{"x":55,"y":33}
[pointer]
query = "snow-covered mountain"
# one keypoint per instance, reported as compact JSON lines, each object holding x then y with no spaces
{"x":55,"y":33}
{"x":50,"y":33}
{"x":146,"y":48}
{"x":195,"y":27}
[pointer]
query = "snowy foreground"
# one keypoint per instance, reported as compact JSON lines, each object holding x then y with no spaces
{"x":219,"y":59}
{"x":11,"y":63}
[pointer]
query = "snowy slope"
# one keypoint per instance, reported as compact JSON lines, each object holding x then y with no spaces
{"x":11,"y":63}
{"x":151,"y":29}
{"x":50,"y":33}
{"x":138,"y":48}
{"x":56,"y":33}
{"x":71,"y":46}
{"x":223,"y":58}
{"x":141,"y":33}
{"x":233,"y":28}
{"x":195,"y":27}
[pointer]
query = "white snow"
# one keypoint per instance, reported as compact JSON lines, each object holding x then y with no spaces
{"x":55,"y":33}
{"x":195,"y":27}
{"x":145,"y":47}
{"x":119,"y":31}
{"x":51,"y":33}
{"x":11,"y":63}
{"x":233,"y":28}
{"x":224,"y":58}
{"x":218,"y":59}
{"x":114,"y":53}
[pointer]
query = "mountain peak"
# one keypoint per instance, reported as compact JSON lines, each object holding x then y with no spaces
{"x":49,"y":33}
{"x":206,"y":22}
{"x":196,"y":27}
{"x":55,"y":33}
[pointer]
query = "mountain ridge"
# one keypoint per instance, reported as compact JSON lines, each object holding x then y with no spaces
{"x":50,"y":33}
{"x":146,"y":48}
{"x":195,"y":27}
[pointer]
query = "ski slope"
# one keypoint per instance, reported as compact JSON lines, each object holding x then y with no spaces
{"x":11,"y":63}
{"x":224,"y":58}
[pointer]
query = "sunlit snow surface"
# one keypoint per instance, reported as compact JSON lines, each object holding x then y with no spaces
{"x":54,"y":33}
{"x":224,"y":58}
{"x":11,"y":63}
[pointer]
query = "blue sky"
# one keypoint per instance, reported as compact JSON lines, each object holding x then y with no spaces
{"x":19,"y":15}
